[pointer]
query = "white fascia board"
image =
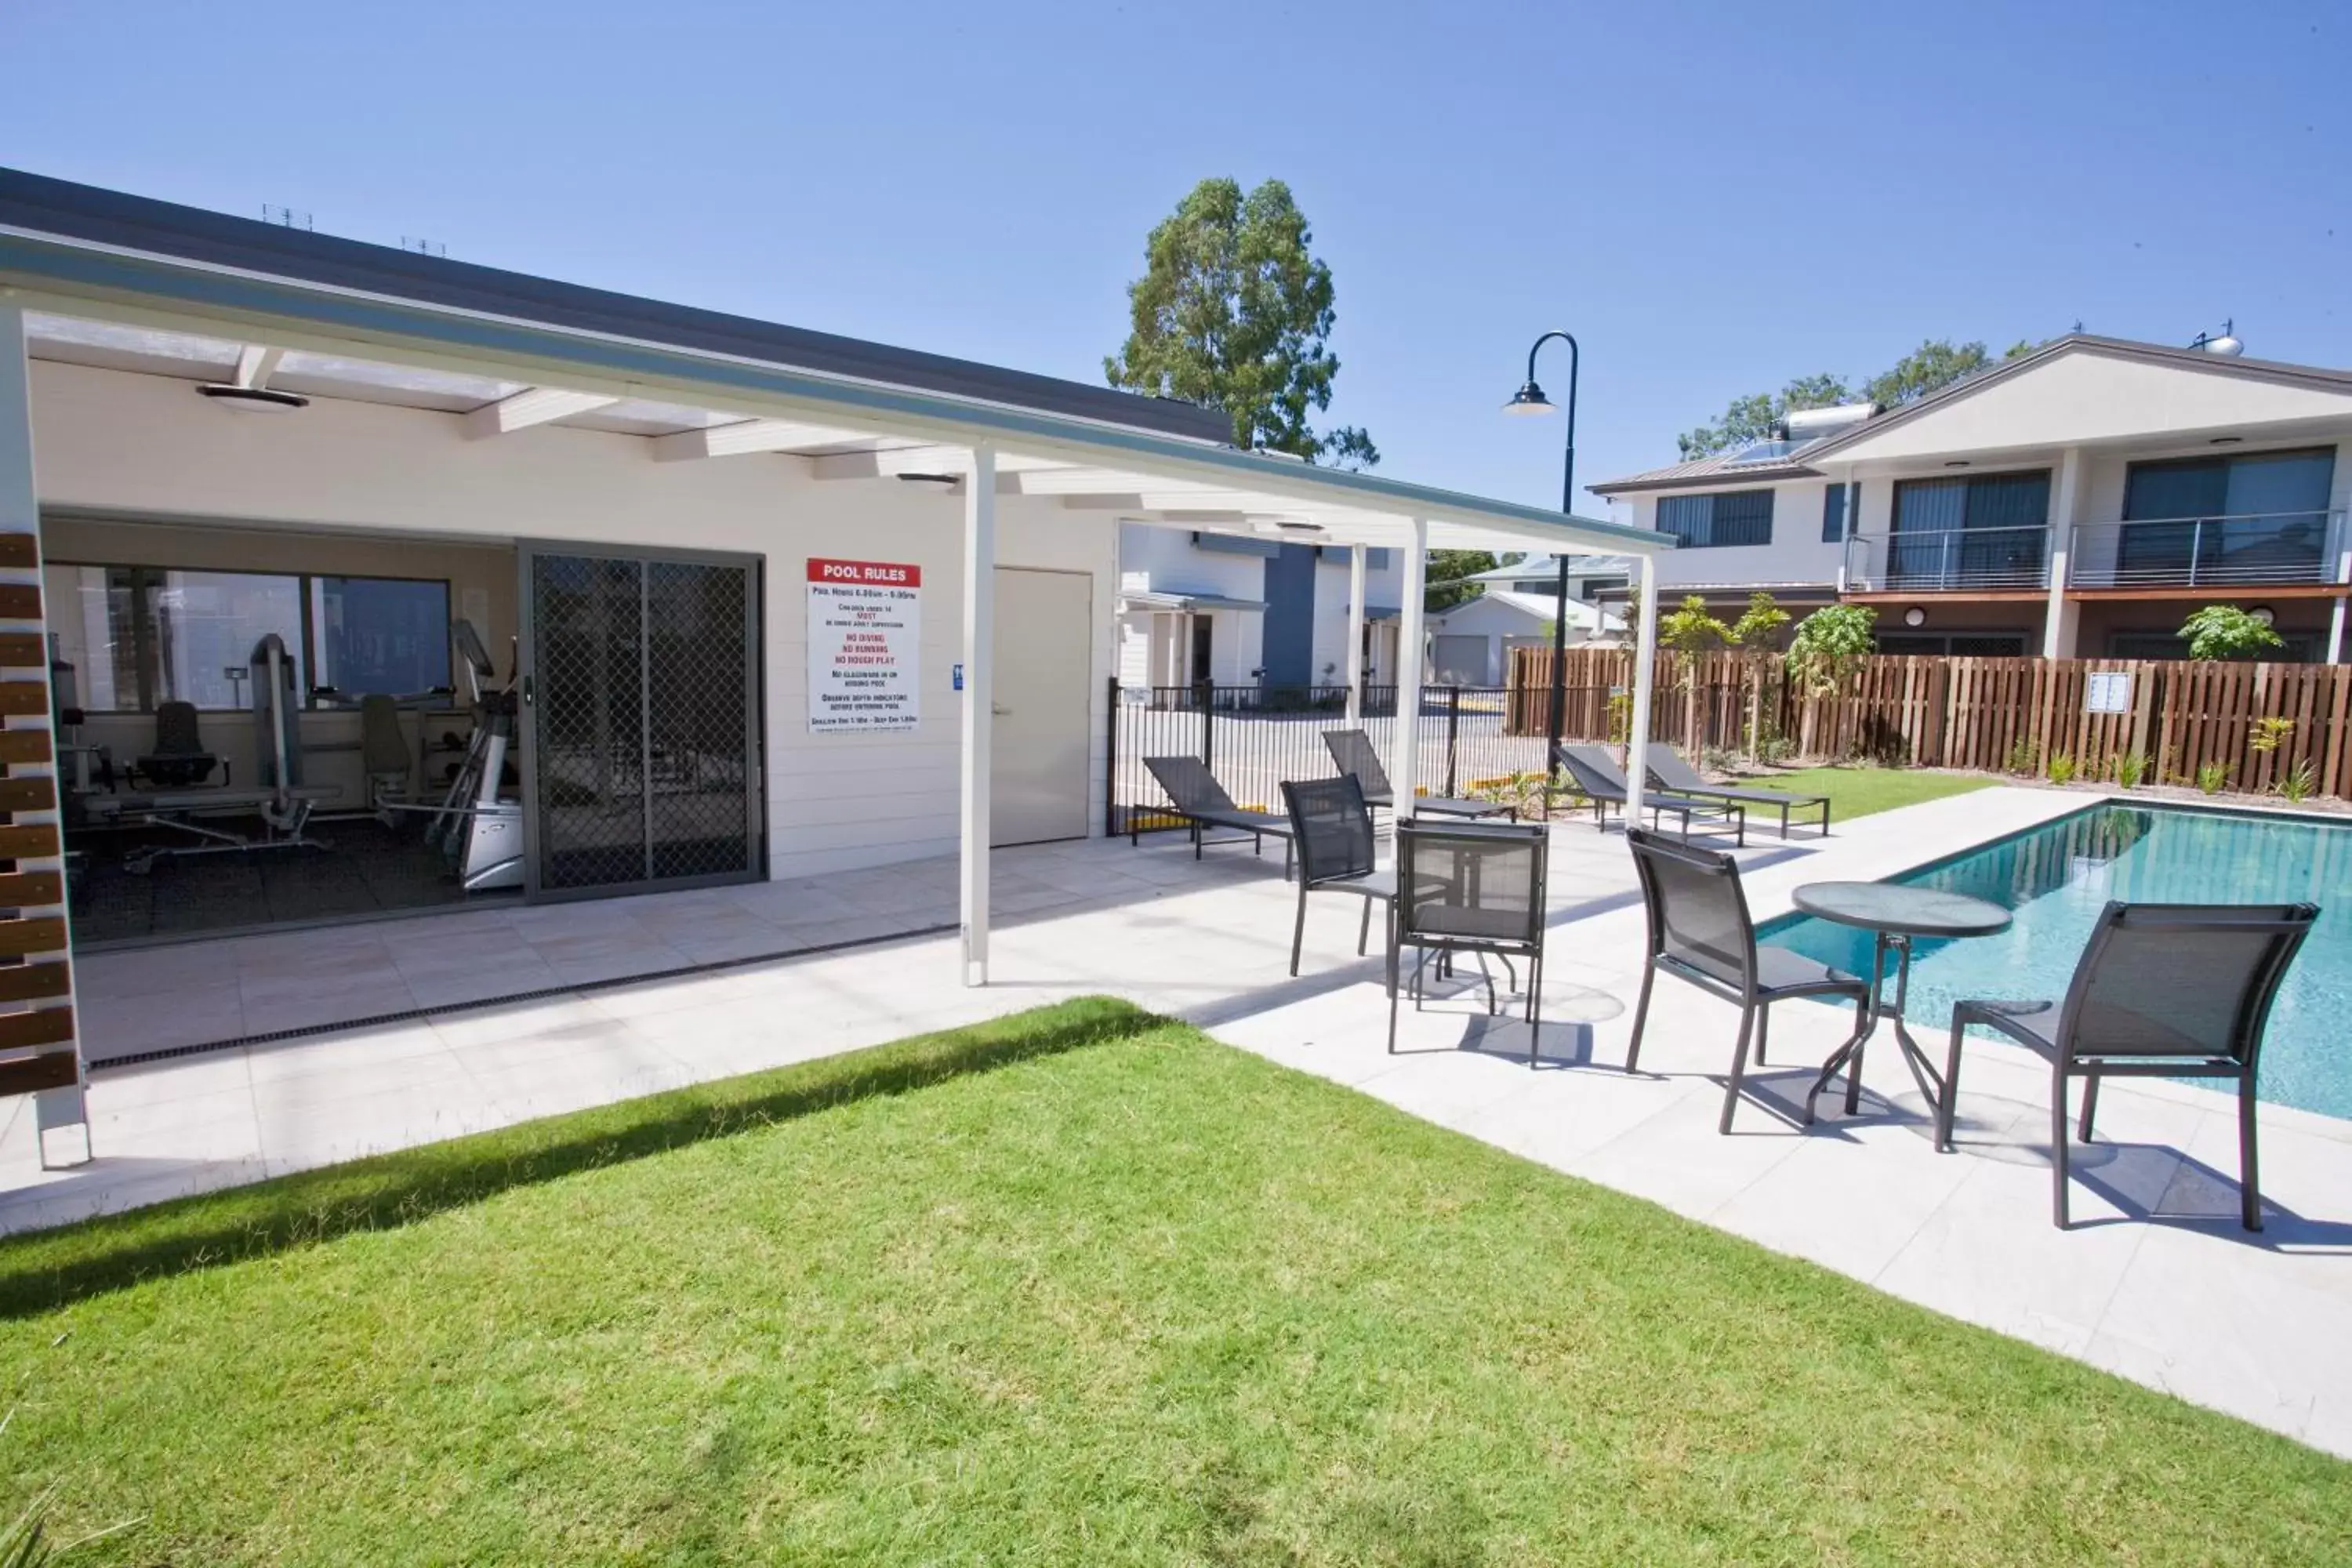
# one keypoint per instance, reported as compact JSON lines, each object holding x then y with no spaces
{"x":533,"y":405}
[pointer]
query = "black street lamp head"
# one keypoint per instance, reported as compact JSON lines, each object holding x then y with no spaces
{"x":1529,"y":399}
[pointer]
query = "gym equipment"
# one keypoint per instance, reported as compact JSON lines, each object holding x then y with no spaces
{"x":280,"y":799}
{"x":480,"y":834}
{"x":179,"y":760}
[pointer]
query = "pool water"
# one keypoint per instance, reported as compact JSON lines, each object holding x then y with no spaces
{"x":2059,"y":875}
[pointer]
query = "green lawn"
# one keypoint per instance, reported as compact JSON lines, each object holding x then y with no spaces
{"x":1076,"y":1288}
{"x":1858,"y":792}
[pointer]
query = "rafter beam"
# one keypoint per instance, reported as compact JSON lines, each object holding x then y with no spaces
{"x":533,"y":405}
{"x":893,"y":461}
{"x":1076,"y":482}
{"x":256,"y":364}
{"x":750,"y":436}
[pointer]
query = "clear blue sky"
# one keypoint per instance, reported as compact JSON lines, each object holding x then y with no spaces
{"x":1713,"y":198}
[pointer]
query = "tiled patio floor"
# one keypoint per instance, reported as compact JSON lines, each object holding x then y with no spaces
{"x":2157,"y":1282}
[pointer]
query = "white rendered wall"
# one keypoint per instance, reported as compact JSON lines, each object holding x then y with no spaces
{"x":128,"y":445}
{"x":1797,"y":553}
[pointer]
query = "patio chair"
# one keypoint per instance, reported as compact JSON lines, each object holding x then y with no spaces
{"x":1699,"y":930}
{"x":1598,"y":779}
{"x":1197,"y":796}
{"x":1669,"y":772}
{"x":1352,"y":752}
{"x":1333,"y":830}
{"x":1470,"y":886}
{"x":2161,"y":991}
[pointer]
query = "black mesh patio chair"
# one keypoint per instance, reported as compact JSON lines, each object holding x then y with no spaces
{"x":1203,"y":804}
{"x":1669,"y":772}
{"x":1332,"y":827}
{"x":1352,"y":752}
{"x":1470,"y":888}
{"x":1699,"y":932}
{"x":2161,"y":991}
{"x":1598,"y":778}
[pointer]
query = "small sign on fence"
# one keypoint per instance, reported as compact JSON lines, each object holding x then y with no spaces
{"x":2107,"y":691}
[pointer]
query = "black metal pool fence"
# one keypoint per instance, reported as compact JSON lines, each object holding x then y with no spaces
{"x":1253,"y":738}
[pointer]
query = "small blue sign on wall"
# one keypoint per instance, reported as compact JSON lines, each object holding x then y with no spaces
{"x":959,"y":678}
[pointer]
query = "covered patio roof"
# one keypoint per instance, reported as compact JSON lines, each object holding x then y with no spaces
{"x":112,"y":279}
{"x":101,"y":277}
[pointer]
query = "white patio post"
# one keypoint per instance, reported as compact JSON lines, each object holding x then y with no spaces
{"x":2062,"y":615}
{"x":1404,"y":746}
{"x":1637,"y":722}
{"x":2343,"y":542}
{"x":979,"y":709}
{"x":53,"y":1026}
{"x":1354,"y":658}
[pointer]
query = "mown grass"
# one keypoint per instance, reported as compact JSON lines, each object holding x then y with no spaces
{"x":1858,"y":792}
{"x":1076,"y":1287}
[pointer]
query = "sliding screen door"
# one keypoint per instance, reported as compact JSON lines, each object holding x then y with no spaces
{"x":641,"y":715}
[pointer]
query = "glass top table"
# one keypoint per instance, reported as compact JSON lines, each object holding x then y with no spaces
{"x":1896,"y":914}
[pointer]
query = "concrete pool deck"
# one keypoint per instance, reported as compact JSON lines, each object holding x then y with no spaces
{"x":2157,"y":1282}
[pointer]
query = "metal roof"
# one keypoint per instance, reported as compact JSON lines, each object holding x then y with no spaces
{"x":1724,"y":467}
{"x":431,"y":334}
{"x":37,"y":203}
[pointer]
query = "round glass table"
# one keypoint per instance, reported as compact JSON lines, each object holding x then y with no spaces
{"x":1896,"y":915}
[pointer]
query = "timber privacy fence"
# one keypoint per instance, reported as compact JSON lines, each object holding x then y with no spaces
{"x":2016,"y":714}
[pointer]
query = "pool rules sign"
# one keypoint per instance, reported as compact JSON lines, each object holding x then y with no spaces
{"x":865,"y":647}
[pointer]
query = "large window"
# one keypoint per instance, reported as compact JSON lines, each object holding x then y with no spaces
{"x":1983,"y":531}
{"x":2253,"y":517}
{"x":1730,"y":518}
{"x":380,"y":634}
{"x":138,"y":636}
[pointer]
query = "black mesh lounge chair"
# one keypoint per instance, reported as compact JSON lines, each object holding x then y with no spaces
{"x":1333,"y":830}
{"x":1669,"y":772}
{"x":2161,"y":991}
{"x":1699,"y":932}
{"x":1597,"y":778}
{"x":1202,"y":802}
{"x":1471,"y":886}
{"x":1352,"y":751}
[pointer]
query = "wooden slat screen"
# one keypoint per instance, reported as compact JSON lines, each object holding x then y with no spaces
{"x":1998,"y":714}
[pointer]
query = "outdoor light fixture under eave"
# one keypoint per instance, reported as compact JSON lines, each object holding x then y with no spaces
{"x":252,"y":399}
{"x":1530,"y":399}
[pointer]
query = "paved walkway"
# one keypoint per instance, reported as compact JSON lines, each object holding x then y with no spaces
{"x":2157,"y":1282}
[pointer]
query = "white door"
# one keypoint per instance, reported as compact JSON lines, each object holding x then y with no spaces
{"x":1044,"y":696}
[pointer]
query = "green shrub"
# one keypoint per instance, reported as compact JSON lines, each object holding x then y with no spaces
{"x":2212,"y":776}
{"x":2130,"y":768}
{"x":2024,"y":757}
{"x":2299,"y":783}
{"x":2061,"y":768}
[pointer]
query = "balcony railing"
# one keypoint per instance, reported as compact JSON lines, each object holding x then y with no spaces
{"x":1945,"y":560}
{"x":2249,"y":549}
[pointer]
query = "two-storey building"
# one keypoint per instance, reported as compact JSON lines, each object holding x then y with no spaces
{"x":2079,"y":501}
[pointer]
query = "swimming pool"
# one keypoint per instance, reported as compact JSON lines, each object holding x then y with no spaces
{"x":2057,"y":877}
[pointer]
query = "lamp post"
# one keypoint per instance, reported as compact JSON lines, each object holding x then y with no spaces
{"x":1530,"y":400}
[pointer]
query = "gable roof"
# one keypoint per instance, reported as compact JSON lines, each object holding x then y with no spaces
{"x":1719,"y":467}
